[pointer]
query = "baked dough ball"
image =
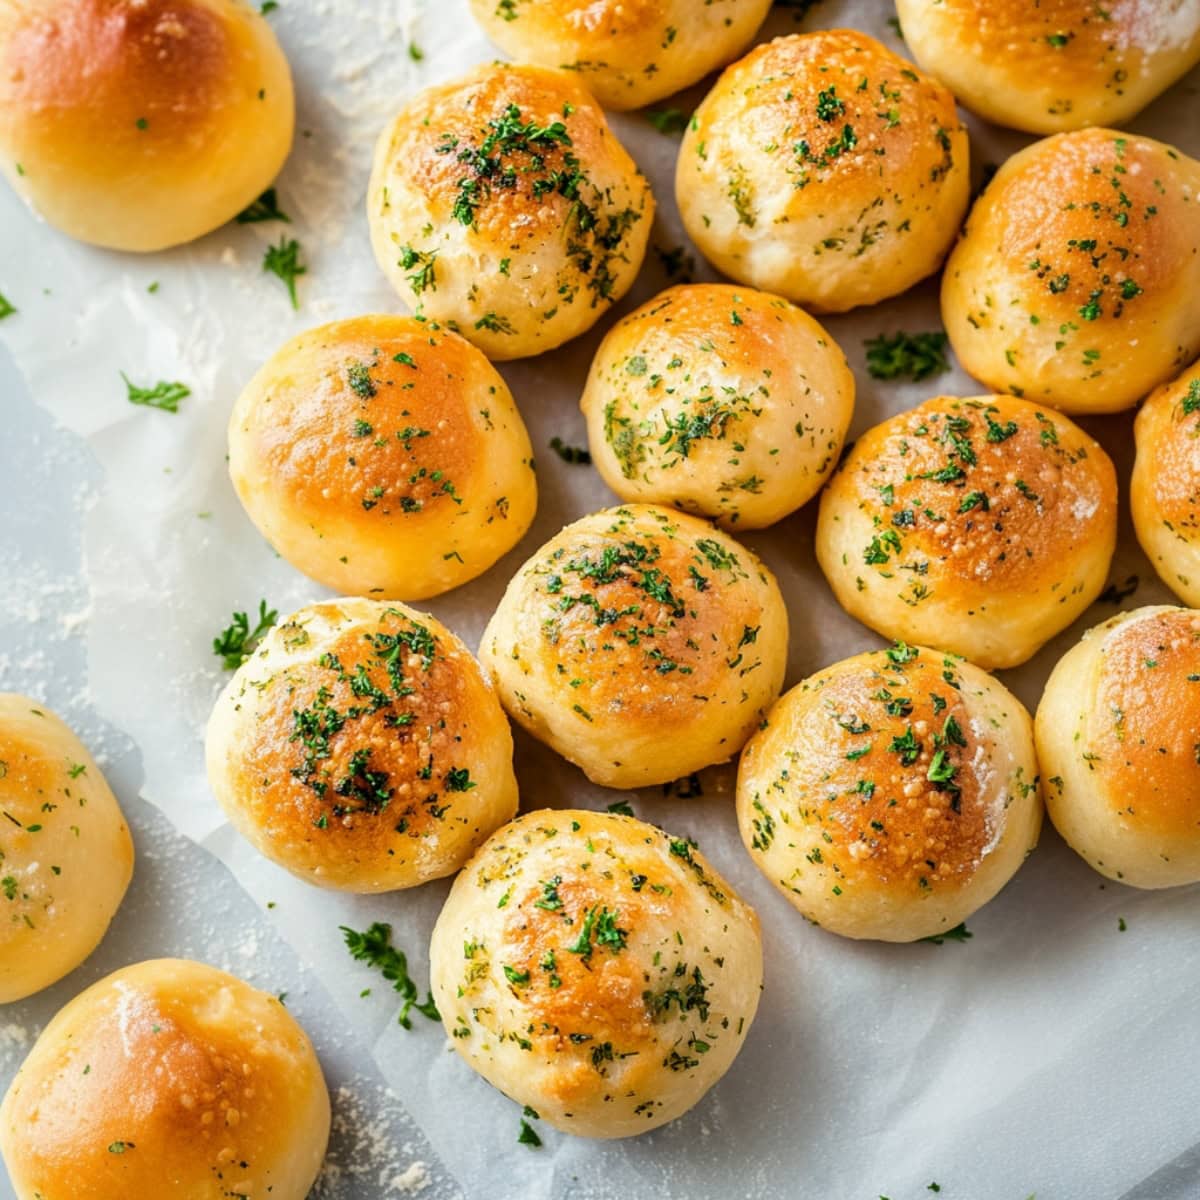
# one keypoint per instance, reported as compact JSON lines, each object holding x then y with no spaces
{"x":140,"y":124}
{"x":640,"y":644}
{"x":66,"y":857}
{"x":383,"y":456}
{"x":596,"y":969}
{"x":719,"y":400}
{"x":361,"y":748}
{"x":1165,"y":490}
{"x":892,"y":794}
{"x":503,"y":205}
{"x":628,"y":53}
{"x":1118,"y":737}
{"x":981,"y":526}
{"x":168,"y":1079}
{"x":1077,"y":278}
{"x":1057,"y":64}
{"x":826,"y":169}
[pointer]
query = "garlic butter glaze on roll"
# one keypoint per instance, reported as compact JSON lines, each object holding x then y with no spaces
{"x":361,"y":748}
{"x":720,"y":400}
{"x":1118,"y":736}
{"x":1076,"y":281}
{"x":596,"y":969}
{"x":141,"y":124}
{"x":628,"y":53}
{"x":1165,"y":490}
{"x":502,"y":205}
{"x":66,"y":857}
{"x":892,"y":794}
{"x":1055,"y":65}
{"x":168,"y":1080}
{"x":383,"y":456}
{"x":981,"y":526}
{"x":826,"y":169}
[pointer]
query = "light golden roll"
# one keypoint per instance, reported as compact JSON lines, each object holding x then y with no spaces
{"x":66,"y":856}
{"x":1076,"y":281}
{"x":719,"y":400}
{"x":596,"y":969}
{"x":981,"y":526}
{"x":383,"y":456}
{"x":892,"y":794}
{"x":141,"y":124}
{"x":1164,"y":492}
{"x":502,"y":205}
{"x":1118,"y":737}
{"x":361,"y":748}
{"x":167,"y":1079}
{"x":826,"y":169}
{"x":1056,"y":65}
{"x":628,"y":53}
{"x":639,"y":643}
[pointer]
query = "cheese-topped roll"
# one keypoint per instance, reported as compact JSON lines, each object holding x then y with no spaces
{"x":503,"y":205}
{"x":1077,"y":278}
{"x":361,"y":748}
{"x":1048,"y":67}
{"x":826,"y":169}
{"x":628,"y":53}
{"x":383,"y":456}
{"x":892,"y":794}
{"x":1118,"y":737}
{"x":140,"y":124}
{"x":719,"y":400}
{"x":168,"y":1079}
{"x":66,"y":856}
{"x":596,"y":969}
{"x":981,"y":526}
{"x":640,"y":644}
{"x":1165,"y":490}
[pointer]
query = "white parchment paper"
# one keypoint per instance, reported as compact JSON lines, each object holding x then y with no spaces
{"x":1052,"y":1054}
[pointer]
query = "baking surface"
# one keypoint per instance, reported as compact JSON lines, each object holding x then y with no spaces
{"x":1052,"y":1054}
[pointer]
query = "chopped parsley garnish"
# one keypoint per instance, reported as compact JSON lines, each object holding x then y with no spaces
{"x":358,"y":376}
{"x":902,"y":355}
{"x":237,"y":641}
{"x":528,"y":1135}
{"x":163,"y":395}
{"x":960,"y":933}
{"x":284,"y":261}
{"x":667,"y":120}
{"x":601,"y":924}
{"x":7,"y":308}
{"x":265,"y":208}
{"x":374,"y":948}
{"x":421,"y":264}
{"x":570,"y":454}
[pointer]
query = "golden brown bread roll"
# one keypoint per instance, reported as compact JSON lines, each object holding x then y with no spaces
{"x":981,"y":526}
{"x":1118,"y":736}
{"x":639,"y":643}
{"x":361,"y":748}
{"x":719,"y":400}
{"x":66,"y":857}
{"x":891,"y":795}
{"x":1076,"y":282}
{"x":826,"y":169}
{"x":596,"y":969}
{"x":168,"y":1079}
{"x":502,"y":205}
{"x":140,"y":124}
{"x":1056,"y":64}
{"x":383,"y":456}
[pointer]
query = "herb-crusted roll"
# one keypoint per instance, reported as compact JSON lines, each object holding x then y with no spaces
{"x":66,"y":856}
{"x":892,"y":794}
{"x":981,"y":526}
{"x":1077,"y":278}
{"x":594,"y":968}
{"x":640,"y":644}
{"x":168,"y":1079}
{"x":720,"y":400}
{"x":627,"y":52}
{"x":826,"y":169}
{"x":1165,"y":490}
{"x":141,"y":124}
{"x":503,"y":205}
{"x":383,"y":456}
{"x":362,"y":749}
{"x":1047,"y":68}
